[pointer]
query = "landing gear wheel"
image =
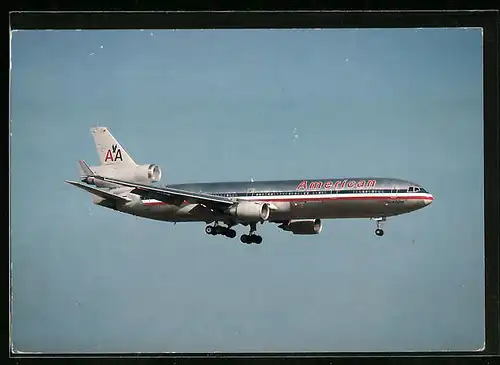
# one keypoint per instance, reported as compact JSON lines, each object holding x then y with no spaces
{"x":380,"y":220}
{"x":231,"y":233}
{"x":210,"y":230}
{"x":220,"y":230}
{"x":251,"y":237}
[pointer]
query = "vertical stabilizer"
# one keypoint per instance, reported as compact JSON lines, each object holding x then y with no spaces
{"x":109,"y":149}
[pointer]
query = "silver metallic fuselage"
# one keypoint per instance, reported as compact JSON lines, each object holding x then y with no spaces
{"x":293,"y":199}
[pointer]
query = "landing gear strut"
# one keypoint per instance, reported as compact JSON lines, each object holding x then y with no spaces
{"x":216,"y":229}
{"x":379,"y":231}
{"x":251,"y":237}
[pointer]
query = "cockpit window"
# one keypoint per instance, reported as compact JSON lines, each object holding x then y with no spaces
{"x":410,"y":189}
{"x":417,"y":188}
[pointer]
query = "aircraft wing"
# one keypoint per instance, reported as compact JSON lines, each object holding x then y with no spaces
{"x":99,"y":192}
{"x":171,"y":195}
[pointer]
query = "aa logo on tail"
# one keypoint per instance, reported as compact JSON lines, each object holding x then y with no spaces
{"x":113,"y":154}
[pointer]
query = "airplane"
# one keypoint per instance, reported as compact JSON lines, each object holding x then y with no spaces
{"x":296,"y":206}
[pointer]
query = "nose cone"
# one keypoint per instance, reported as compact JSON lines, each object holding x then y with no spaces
{"x":428,"y":199}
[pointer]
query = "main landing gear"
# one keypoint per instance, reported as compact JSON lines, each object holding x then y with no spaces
{"x":225,"y":231}
{"x":231,"y":233}
{"x":251,"y":237}
{"x":379,"y":231}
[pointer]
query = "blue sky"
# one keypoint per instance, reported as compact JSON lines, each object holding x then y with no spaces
{"x":219,"y":105}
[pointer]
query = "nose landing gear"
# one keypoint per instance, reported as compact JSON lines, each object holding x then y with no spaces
{"x":379,"y":231}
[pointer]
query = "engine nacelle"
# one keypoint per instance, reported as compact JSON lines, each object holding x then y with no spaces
{"x":139,"y":174}
{"x":250,"y":211}
{"x":151,"y":173}
{"x":303,"y":226}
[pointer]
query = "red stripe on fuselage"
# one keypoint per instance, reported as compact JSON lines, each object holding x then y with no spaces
{"x":311,"y":199}
{"x":348,"y":198}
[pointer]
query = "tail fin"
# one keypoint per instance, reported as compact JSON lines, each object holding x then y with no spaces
{"x":109,"y":149}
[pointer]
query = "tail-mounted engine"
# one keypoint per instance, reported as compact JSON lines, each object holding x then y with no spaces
{"x":139,"y":174}
{"x":151,"y":173}
{"x":303,"y":226}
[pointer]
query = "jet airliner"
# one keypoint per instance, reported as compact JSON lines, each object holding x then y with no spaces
{"x":296,"y":206}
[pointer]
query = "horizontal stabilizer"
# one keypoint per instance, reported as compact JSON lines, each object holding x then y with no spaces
{"x":86,"y":170}
{"x":101,"y":193}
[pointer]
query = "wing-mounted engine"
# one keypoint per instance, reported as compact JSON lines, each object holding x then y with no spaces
{"x":250,"y":211}
{"x":303,"y":226}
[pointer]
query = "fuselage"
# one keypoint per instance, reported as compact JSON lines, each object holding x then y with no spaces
{"x":297,"y":206}
{"x":296,"y":199}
